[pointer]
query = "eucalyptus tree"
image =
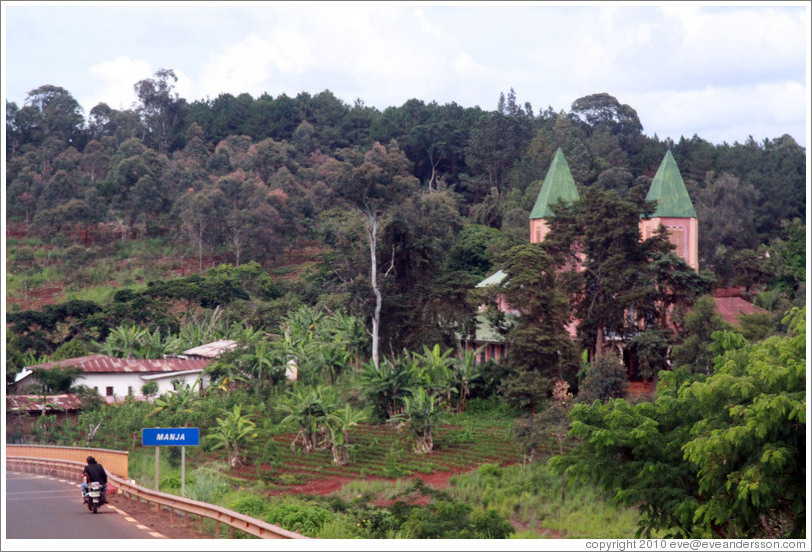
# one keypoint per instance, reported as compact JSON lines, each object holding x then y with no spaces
{"x":373,"y":183}
{"x":249,"y":220}
{"x":201,"y":212}
{"x":51,"y":111}
{"x":160,"y":108}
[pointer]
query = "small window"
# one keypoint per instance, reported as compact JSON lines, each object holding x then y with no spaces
{"x":109,"y":391}
{"x":130,"y":390}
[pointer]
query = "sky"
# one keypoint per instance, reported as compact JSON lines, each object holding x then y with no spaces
{"x":721,"y":71}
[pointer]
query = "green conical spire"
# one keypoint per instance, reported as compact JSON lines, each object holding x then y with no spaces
{"x":558,"y":184}
{"x":669,"y":190}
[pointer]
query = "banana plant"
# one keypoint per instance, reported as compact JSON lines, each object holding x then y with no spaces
{"x":386,"y":387}
{"x":123,"y":342}
{"x":465,"y":372}
{"x":339,"y":423}
{"x":231,"y":432}
{"x":307,"y":407}
{"x":422,"y":413}
{"x":436,"y":374}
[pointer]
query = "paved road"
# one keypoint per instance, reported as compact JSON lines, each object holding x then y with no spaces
{"x":39,"y":507}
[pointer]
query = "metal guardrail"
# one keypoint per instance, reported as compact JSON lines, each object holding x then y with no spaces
{"x":162,"y":501}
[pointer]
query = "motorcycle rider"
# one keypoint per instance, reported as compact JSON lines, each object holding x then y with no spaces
{"x":94,"y":472}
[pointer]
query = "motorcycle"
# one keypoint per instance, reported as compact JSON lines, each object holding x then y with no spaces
{"x":94,"y":497}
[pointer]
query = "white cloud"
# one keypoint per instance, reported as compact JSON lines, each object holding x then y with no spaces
{"x":465,"y":66}
{"x":248,"y":65}
{"x":117,"y":76}
{"x":720,"y":114}
{"x":678,"y":64}
{"x":427,"y":26}
{"x":736,"y":44}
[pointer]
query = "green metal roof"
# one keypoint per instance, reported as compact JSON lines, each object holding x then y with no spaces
{"x":558,"y":184}
{"x":492,"y":280}
{"x":669,"y":190}
{"x":487,"y":332}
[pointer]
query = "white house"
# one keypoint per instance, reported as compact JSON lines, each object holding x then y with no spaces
{"x":115,"y":378}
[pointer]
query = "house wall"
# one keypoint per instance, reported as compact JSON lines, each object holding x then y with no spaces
{"x":121,"y":383}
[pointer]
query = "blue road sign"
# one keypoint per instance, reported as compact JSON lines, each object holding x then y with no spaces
{"x":178,"y":436}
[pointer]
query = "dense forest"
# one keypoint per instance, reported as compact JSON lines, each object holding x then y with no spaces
{"x":188,"y":217}
{"x":238,"y":179}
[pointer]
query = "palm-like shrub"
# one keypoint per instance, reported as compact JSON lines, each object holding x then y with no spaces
{"x":465,"y":372}
{"x":177,"y":404}
{"x":123,"y":342}
{"x":130,"y":341}
{"x":422,"y":413}
{"x":232,"y":430}
{"x":435,"y":371}
{"x":386,"y":387}
{"x":262,"y":363}
{"x":307,"y":407}
{"x":339,"y":423}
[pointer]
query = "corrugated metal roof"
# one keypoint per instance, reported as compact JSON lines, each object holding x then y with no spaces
{"x":558,"y":184}
{"x":28,"y":403}
{"x":669,"y":190}
{"x":98,"y":364}
{"x":493,"y":280}
{"x":732,"y":307}
{"x":213,"y":349}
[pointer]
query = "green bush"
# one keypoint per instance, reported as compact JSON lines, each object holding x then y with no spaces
{"x":301,"y":518}
{"x":207,"y":483}
{"x":490,"y":525}
{"x":253,"y":506}
{"x":491,"y":470}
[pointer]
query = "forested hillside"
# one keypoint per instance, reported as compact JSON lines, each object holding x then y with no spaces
{"x":172,"y":188}
{"x":346,"y":243}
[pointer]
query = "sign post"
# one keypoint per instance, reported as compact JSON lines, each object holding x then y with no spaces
{"x":172,"y":436}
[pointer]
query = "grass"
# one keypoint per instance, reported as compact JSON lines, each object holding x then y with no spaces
{"x":148,"y":248}
{"x":531,"y":497}
{"x":384,"y":467}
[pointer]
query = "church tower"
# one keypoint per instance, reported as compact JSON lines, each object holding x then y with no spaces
{"x":558,"y":184}
{"x":674,"y":211}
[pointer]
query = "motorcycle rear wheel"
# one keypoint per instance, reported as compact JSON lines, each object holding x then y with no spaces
{"x":95,"y":508}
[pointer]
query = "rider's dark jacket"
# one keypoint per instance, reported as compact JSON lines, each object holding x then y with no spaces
{"x":95,"y":472}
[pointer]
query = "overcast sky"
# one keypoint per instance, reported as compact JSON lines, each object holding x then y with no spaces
{"x":723,"y":72}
